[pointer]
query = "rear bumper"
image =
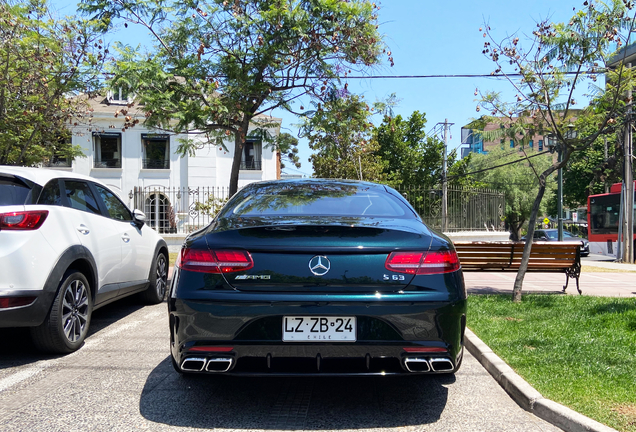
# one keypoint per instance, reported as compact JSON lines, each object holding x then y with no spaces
{"x":250,"y":333}
{"x":26,"y":316}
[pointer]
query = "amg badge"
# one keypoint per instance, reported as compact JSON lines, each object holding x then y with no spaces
{"x":244,"y":277}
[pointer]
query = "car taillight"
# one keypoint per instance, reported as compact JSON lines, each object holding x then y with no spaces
{"x":218,"y":261}
{"x":23,"y":220}
{"x":422,"y":262}
{"x":10,"y":302}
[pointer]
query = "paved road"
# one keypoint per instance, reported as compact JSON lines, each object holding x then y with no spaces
{"x":122,"y":380}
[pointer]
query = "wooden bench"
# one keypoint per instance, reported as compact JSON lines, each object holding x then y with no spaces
{"x":562,"y":257}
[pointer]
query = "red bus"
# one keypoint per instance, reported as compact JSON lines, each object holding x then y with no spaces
{"x":603,"y":215}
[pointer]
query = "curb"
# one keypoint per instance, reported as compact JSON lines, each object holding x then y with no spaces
{"x":525,"y":395}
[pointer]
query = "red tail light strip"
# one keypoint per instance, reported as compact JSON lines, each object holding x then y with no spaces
{"x":210,"y":349}
{"x":219,"y":261}
{"x":23,"y":221}
{"x":420,"y":263}
{"x":424,"y":349}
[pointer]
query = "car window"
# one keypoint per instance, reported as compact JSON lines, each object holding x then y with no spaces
{"x":116,"y":209}
{"x":568,"y":235}
{"x":538,"y":234}
{"x":318,"y":200}
{"x":552,"y":234}
{"x":51,"y":194}
{"x":80,"y":197}
{"x":14,"y":191}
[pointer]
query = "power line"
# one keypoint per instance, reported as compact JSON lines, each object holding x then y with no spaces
{"x":490,"y":75}
{"x":499,"y":166}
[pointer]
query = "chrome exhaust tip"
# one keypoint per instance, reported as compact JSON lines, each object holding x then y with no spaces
{"x":441,"y":365}
{"x":416,"y":364}
{"x":219,"y":364}
{"x":193,"y":364}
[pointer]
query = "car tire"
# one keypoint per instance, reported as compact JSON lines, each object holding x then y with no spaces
{"x":66,"y":325}
{"x":158,"y":277}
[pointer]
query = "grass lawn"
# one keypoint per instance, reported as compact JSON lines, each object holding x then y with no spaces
{"x":579,"y":351}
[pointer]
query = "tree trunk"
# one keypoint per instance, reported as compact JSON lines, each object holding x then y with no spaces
{"x":532,"y":222}
{"x":515,"y":230}
{"x":239,"y":143}
{"x":523,"y":267}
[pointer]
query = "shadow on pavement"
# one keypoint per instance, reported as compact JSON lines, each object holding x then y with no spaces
{"x":17,"y":349}
{"x":305,"y":403}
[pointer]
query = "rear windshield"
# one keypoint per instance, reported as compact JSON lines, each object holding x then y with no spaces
{"x":14,"y":191}
{"x":317,"y":200}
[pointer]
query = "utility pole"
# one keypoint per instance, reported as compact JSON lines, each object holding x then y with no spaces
{"x":445,"y":181}
{"x":628,"y":220}
{"x":437,"y":128}
{"x":607,"y":189}
{"x":560,"y":195}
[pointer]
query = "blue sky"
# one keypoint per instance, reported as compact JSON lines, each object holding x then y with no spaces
{"x":431,"y":37}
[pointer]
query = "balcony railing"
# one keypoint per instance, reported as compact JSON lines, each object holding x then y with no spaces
{"x":251,"y":165}
{"x":108,"y":163}
{"x":156,"y":164}
{"x":59,"y":163}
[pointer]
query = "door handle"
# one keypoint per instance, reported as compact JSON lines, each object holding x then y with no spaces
{"x":125,"y":238}
{"x":83,"y":229}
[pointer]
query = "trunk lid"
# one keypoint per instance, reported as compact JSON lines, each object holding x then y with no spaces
{"x":340,"y":256}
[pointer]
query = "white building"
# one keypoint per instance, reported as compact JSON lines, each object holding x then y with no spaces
{"x":139,"y":160}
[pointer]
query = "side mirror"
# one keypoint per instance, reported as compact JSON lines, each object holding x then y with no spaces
{"x":139,"y":218}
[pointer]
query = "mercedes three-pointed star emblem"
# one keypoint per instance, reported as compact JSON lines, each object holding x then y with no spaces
{"x":319,"y":265}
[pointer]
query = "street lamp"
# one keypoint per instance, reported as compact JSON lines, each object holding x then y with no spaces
{"x":555,"y":145}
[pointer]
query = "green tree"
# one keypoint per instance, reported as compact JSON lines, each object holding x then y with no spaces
{"x":219,"y":64}
{"x":42,"y":62}
{"x":287,"y":146}
{"x":415,"y":160}
{"x":518,"y":180}
{"x":589,"y":171}
{"x":560,"y":58}
{"x":339,"y":132}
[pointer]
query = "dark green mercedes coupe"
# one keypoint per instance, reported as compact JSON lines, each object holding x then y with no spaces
{"x":317,"y":277}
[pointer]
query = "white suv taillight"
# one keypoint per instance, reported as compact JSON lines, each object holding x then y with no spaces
{"x":218,"y":261}
{"x":23,"y":220}
{"x":422,"y":262}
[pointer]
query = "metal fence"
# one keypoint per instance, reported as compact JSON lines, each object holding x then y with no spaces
{"x":469,"y":209}
{"x":179,"y":210}
{"x":184,"y":210}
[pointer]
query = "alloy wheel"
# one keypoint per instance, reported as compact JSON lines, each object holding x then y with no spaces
{"x":75,"y":310}
{"x":162,"y":275}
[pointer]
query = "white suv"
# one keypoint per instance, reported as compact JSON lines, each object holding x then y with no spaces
{"x":68,"y":245}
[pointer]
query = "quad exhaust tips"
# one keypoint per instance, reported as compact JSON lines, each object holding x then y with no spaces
{"x":441,"y":365}
{"x":193,"y":364}
{"x":219,"y":365}
{"x":199,"y":364}
{"x":418,"y":364}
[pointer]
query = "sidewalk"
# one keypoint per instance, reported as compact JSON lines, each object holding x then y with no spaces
{"x":603,"y":284}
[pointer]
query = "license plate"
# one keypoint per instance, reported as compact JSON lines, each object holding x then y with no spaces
{"x":319,"y":329}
